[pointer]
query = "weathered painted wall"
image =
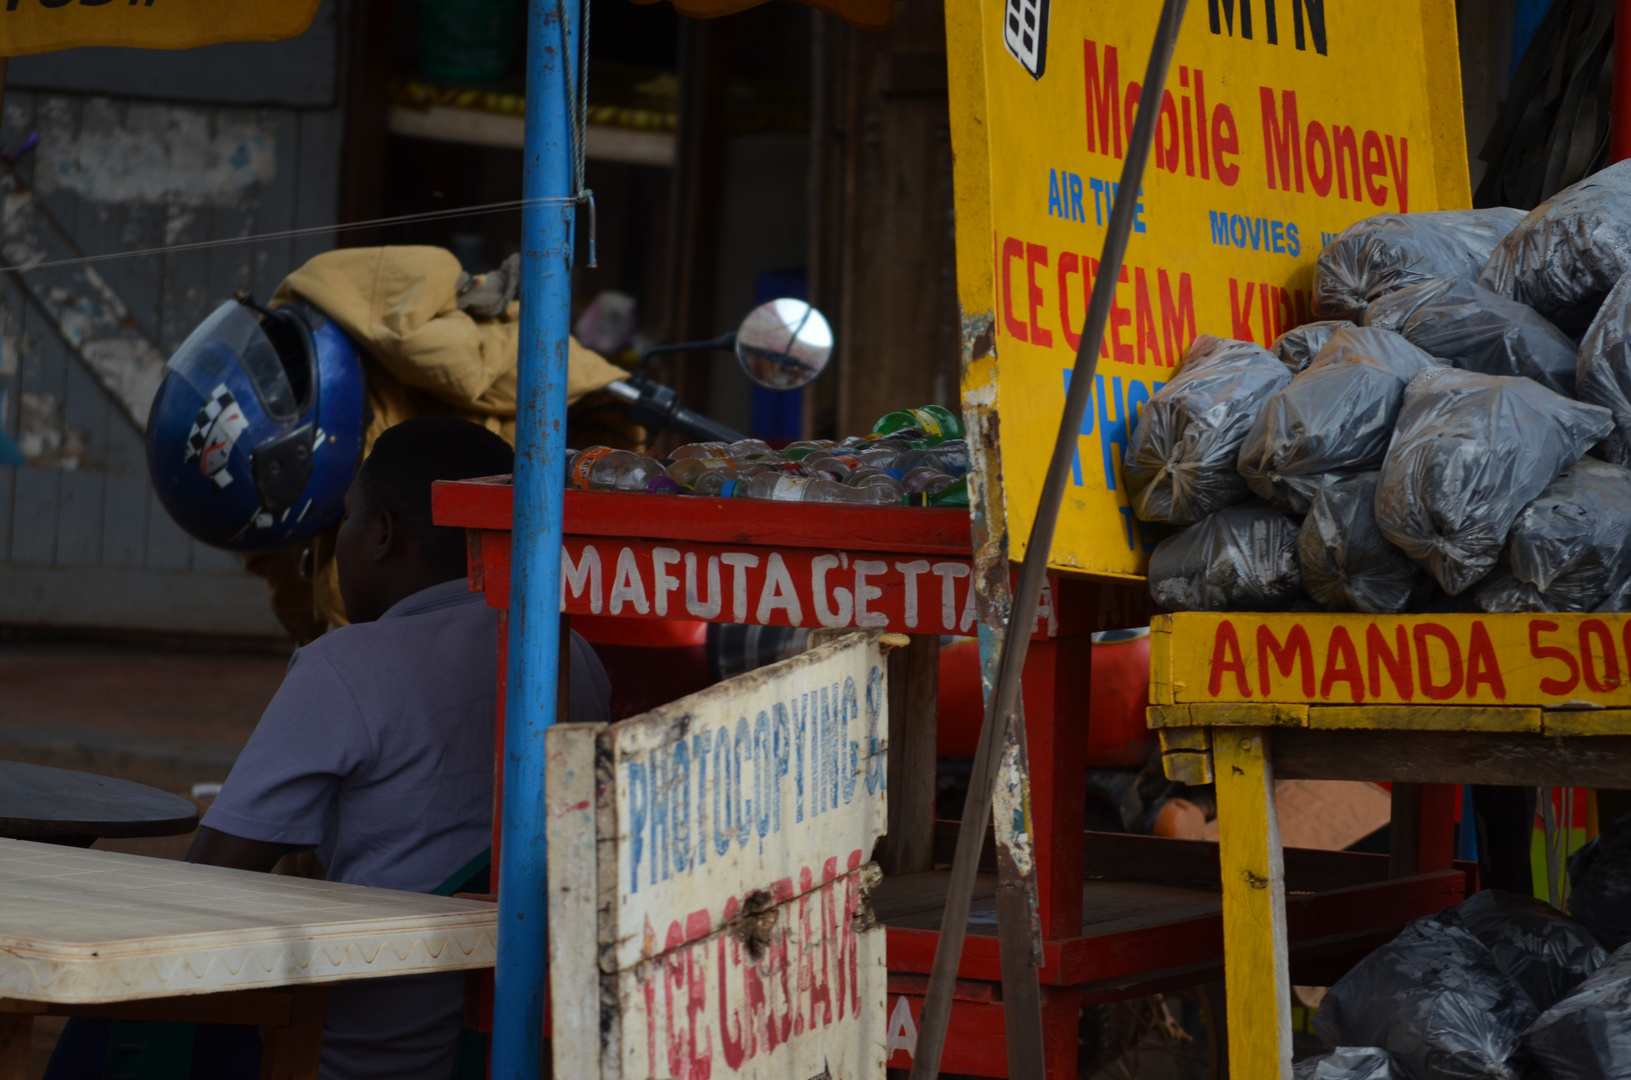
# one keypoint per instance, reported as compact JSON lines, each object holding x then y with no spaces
{"x":82,"y":541}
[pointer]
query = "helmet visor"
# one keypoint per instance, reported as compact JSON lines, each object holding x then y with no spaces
{"x":232,"y":336}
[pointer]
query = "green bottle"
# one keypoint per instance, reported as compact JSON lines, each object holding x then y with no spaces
{"x":933,"y":420}
{"x":956,"y":495}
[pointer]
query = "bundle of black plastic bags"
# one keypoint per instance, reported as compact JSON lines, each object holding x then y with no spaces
{"x":1502,"y":986}
{"x":1453,"y":434}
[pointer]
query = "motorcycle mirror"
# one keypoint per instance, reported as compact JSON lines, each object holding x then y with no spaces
{"x":783,"y":344}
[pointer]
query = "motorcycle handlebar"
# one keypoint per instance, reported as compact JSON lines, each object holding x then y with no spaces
{"x":656,"y":407}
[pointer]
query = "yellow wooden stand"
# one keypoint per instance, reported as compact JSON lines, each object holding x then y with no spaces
{"x":1241,"y":699}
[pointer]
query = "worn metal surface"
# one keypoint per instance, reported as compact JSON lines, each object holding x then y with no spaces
{"x":82,"y":540}
{"x":727,"y":837}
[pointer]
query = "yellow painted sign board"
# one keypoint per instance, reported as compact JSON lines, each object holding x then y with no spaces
{"x":1282,"y":123}
{"x":1545,"y":660}
{"x":36,"y":26}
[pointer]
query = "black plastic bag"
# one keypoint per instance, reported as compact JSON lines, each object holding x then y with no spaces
{"x":1347,"y":564}
{"x":1473,"y":328}
{"x":1468,"y":453}
{"x":1297,"y":346}
{"x":1587,"y":1035}
{"x":1564,"y":257}
{"x":1570,"y":547}
{"x":1332,"y":421}
{"x":1394,"y":251}
{"x":1545,"y":951}
{"x":1348,"y":1063}
{"x":1180,"y":463}
{"x":1618,"y":599}
{"x":1600,"y":885}
{"x":1240,"y":558}
{"x":1602,"y":373}
{"x":1434,"y":998}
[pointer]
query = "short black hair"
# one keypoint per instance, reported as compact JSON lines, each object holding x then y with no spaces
{"x":408,"y":458}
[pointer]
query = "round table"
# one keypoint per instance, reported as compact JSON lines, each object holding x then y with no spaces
{"x":38,"y":802}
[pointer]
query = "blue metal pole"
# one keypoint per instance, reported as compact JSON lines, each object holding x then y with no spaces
{"x":535,"y":584}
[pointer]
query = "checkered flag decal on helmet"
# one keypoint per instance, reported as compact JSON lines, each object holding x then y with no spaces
{"x":220,"y":400}
{"x":214,"y":432}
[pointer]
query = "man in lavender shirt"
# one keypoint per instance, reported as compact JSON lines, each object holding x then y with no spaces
{"x":377,"y":751}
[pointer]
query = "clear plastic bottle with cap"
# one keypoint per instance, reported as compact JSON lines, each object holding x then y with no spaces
{"x":686,"y":470}
{"x":816,"y":489}
{"x":601,"y":468}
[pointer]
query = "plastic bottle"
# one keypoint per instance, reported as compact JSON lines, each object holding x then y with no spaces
{"x":832,"y":465}
{"x":925,"y":480}
{"x":684,"y":471}
{"x":880,"y":455}
{"x":601,"y":468}
{"x":702,"y":450}
{"x":953,"y":455}
{"x":955,"y":495}
{"x":933,"y":420}
{"x":713,"y":481}
{"x":749,"y":446}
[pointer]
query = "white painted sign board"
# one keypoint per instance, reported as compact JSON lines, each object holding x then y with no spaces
{"x":709,"y":879}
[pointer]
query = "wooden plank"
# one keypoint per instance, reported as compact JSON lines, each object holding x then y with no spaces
{"x":1439,"y":659}
{"x":480,"y":505}
{"x":1185,"y":738}
{"x":1228,"y":715}
{"x":1586,"y":722}
{"x":1256,"y":975}
{"x":737,"y":787}
{"x":1426,"y":718}
{"x":1134,"y":953}
{"x":1188,"y":767}
{"x":776,"y":586}
{"x":732,"y":829}
{"x":914,"y":671}
{"x":90,"y":927}
{"x":1161,"y":689}
{"x":574,"y":964}
{"x":1452,"y":757}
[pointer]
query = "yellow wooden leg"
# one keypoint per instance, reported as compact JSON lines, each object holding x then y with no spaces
{"x":1256,"y":977}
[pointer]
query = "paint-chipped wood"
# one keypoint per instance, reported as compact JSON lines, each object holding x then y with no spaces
{"x":1228,"y":715}
{"x":1424,"y":718}
{"x":728,"y":835}
{"x":1256,"y":967}
{"x":1188,"y":766}
{"x":1185,"y":738}
{"x":1585,"y":722}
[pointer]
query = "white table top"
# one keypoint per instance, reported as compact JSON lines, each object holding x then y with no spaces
{"x":81,"y":926}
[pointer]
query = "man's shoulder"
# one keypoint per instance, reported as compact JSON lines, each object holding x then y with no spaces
{"x":405,"y":644}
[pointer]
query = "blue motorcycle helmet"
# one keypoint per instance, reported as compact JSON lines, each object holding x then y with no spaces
{"x":257,"y":429}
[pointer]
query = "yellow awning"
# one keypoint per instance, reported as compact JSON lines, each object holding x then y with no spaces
{"x":36,"y":26}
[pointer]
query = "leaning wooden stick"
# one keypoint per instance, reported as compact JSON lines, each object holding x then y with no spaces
{"x":1002,"y":705}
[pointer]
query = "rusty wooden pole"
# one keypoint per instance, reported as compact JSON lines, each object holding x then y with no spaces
{"x":1002,"y":707}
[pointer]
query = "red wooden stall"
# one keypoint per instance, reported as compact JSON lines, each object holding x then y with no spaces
{"x":1122,"y":916}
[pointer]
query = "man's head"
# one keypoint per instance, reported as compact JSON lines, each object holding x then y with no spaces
{"x":387,"y":549}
